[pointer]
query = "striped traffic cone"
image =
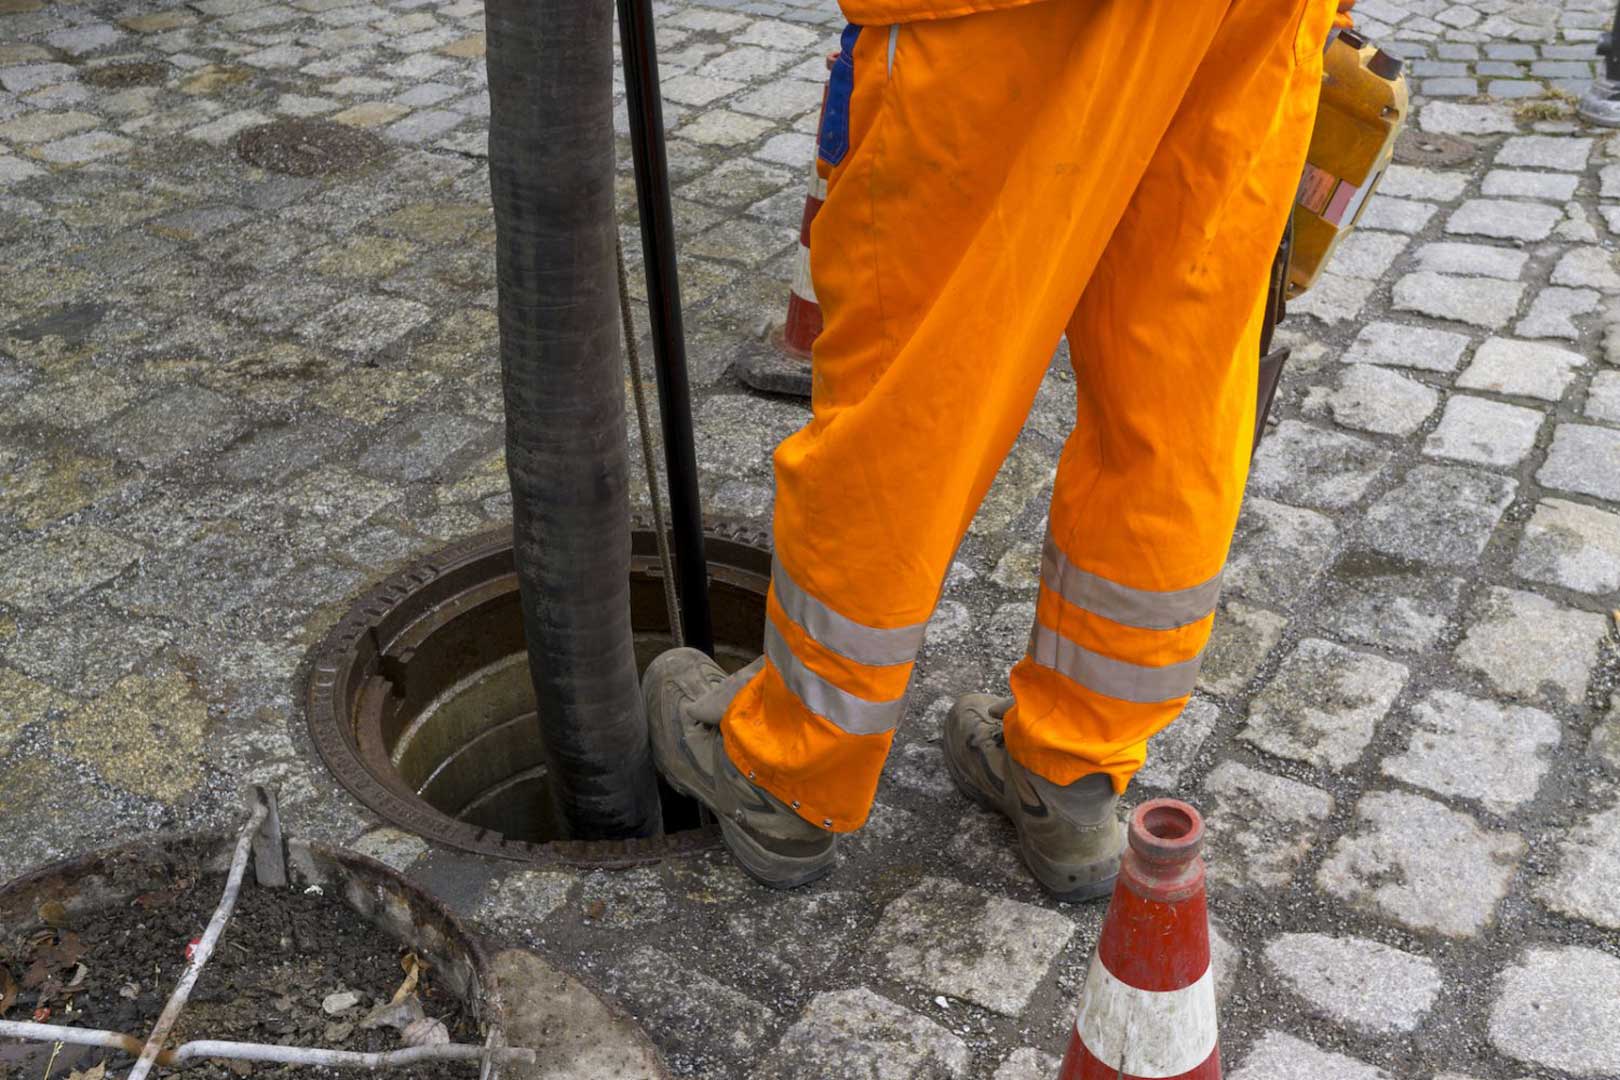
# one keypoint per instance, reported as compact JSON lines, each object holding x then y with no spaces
{"x":1148,"y":1007}
{"x":781,"y":364}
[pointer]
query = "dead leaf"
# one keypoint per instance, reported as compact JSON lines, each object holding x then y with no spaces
{"x":36,"y":975}
{"x":413,"y":974}
{"x":95,"y":1072}
{"x":336,"y":1033}
{"x":77,"y":979}
{"x":53,"y":913}
{"x":8,"y":990}
{"x":425,"y":1032}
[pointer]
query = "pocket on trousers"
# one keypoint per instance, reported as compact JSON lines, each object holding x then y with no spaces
{"x":833,"y":141}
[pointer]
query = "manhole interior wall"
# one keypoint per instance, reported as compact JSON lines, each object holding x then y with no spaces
{"x":420,"y":702}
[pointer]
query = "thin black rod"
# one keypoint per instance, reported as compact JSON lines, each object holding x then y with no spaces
{"x":645,"y":102}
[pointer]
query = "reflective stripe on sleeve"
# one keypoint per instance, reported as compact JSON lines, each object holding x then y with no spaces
{"x":1142,"y":608}
{"x":1109,"y":677}
{"x":839,"y":707}
{"x":869,"y":645}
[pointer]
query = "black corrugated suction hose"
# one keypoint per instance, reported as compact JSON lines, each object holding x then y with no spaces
{"x":552,"y":177}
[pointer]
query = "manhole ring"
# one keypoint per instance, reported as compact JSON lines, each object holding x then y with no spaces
{"x":415,"y":698}
{"x":1432,"y":149}
{"x":114,"y":76}
{"x":300,"y":146}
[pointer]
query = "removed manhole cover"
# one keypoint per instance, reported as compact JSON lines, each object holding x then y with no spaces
{"x":1415,"y":147}
{"x":303,"y":147}
{"x":420,"y":701}
{"x":117,"y":75}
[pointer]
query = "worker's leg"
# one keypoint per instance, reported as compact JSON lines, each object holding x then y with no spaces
{"x":1164,"y":345}
{"x":987,"y":162}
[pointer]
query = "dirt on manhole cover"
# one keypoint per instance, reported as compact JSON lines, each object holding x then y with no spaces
{"x":1429,"y":148}
{"x":301,"y":147}
{"x":114,"y":76}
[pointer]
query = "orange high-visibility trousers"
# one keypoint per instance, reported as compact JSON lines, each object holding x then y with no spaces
{"x":1120,"y":170}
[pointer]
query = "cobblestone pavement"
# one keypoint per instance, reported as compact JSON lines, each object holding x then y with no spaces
{"x":234,"y":398}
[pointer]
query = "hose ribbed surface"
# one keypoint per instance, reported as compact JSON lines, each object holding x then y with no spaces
{"x":552,"y":178}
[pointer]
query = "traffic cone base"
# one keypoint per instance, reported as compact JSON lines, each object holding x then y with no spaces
{"x":1147,"y":1011}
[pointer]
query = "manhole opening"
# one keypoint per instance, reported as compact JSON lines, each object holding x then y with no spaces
{"x":420,"y":700}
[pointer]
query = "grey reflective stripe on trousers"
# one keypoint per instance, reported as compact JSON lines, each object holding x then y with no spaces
{"x":855,"y":715}
{"x":1109,"y":677}
{"x":1142,"y":608}
{"x":869,"y":645}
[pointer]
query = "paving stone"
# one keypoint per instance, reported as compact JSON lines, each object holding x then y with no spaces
{"x":1483,"y":260}
{"x":1427,"y":867}
{"x":1260,"y":825}
{"x":1526,"y":645}
{"x":1507,"y":219}
{"x":1603,"y":397}
{"x":1324,"y":704}
{"x":21,"y":78}
{"x":698,"y":1021}
{"x":1028,"y":1064}
{"x":1514,"y":184}
{"x":1439,"y":514}
{"x":420,"y":449}
{"x":370,"y":114}
{"x":803,"y":935}
{"x":1356,"y":982}
{"x":1587,"y":267}
{"x":1571,"y":545}
{"x":14,"y":170}
{"x":1588,"y":867}
{"x":1559,"y":1008}
{"x":781,"y":100}
{"x":1478,"y":301}
{"x":1243,"y":636}
{"x":1174,"y":748}
{"x":82,"y":149}
{"x":699,"y":90}
{"x":1398,"y":345}
{"x":1334,"y":298}
{"x":87,"y":38}
{"x":424,"y":126}
{"x":1366,"y":254}
{"x":1306,"y":465}
{"x":526,"y":898}
{"x":1523,"y":368}
{"x":366,"y":323}
{"x":1546,"y":152}
{"x":948,"y":938}
{"x":1396,"y":215}
{"x":1584,"y":459}
{"x":1372,"y":599}
{"x":1419,"y":183}
{"x":1277,"y":1056}
{"x":1374,"y":399}
{"x":392,"y":847}
{"x":1277,"y":552}
{"x":222,"y":130}
{"x":1554,"y":310}
{"x":146,"y":735}
{"x":721,"y":127}
{"x":38,"y":127}
{"x":164,"y":429}
{"x":1476,"y":749}
{"x":1449,"y":118}
{"x":861,"y":1036}
{"x":1485,"y":432}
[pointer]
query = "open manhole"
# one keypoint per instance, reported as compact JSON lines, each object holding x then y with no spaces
{"x":306,"y":147}
{"x":420,"y":702}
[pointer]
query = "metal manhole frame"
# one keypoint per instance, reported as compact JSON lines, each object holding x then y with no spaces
{"x":331,"y":660}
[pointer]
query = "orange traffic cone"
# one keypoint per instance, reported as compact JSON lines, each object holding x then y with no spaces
{"x":1148,"y":1006}
{"x":781,"y":365}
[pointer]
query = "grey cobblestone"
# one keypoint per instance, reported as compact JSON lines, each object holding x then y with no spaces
{"x":1553,"y":313}
{"x":1522,"y":368}
{"x":1484,"y":432}
{"x":1479,"y":301}
{"x":1584,"y":459}
{"x":1559,"y":1008}
{"x":1571,"y":545}
{"x":1325,"y":704}
{"x":1283,"y":1057}
{"x":1439,"y":514}
{"x":1360,"y":983}
{"x":1261,"y":826}
{"x":1524,"y":643}
{"x":1475,"y":749}
{"x":1448,"y":881}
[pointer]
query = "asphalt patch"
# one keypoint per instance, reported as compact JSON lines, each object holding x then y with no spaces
{"x":307,"y":147}
{"x":117,"y":76}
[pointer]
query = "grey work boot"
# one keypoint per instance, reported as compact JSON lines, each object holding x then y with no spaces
{"x":1071,"y":837}
{"x":686,"y":695}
